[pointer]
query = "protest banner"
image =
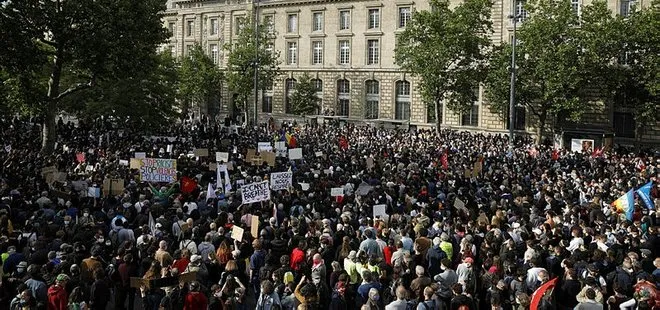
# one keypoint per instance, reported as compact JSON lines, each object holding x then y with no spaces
{"x":140,"y":155}
{"x":337,"y":191}
{"x":281,"y":149}
{"x":381,"y":210}
{"x":255,"y":192}
{"x":295,"y":154}
{"x":254,"y":226}
{"x":201,"y":152}
{"x":157,"y":170}
{"x":113,"y":187}
{"x":237,"y":233}
{"x":134,"y":163}
{"x":222,"y":157}
{"x":264,"y":147}
{"x":281,"y":180}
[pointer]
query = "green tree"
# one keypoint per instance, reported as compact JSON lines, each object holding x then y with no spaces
{"x":304,"y":100}
{"x":54,"y":49}
{"x":447,"y":49}
{"x":200,"y":80}
{"x":550,"y":75}
{"x":145,"y":100}
{"x":244,"y":53}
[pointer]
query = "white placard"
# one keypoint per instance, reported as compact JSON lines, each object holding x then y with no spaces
{"x":222,"y":157}
{"x":123,"y":162}
{"x":281,"y":180}
{"x":337,"y":191}
{"x":93,"y":192}
{"x":380,"y":210}
{"x":280,"y":149}
{"x":304,"y":186}
{"x":140,"y":155}
{"x":264,"y":147}
{"x":237,"y":233}
{"x":255,"y":192}
{"x":460,"y":205}
{"x":582,"y":145}
{"x":169,"y":148}
{"x":318,"y":154}
{"x":295,"y":154}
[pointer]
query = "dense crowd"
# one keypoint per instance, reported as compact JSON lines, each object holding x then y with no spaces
{"x":469,"y":223}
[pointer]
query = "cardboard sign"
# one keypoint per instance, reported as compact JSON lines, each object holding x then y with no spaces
{"x":281,"y":180}
{"x":140,"y":155}
{"x":295,"y":154}
{"x":134,"y":163}
{"x":255,"y":192}
{"x":264,"y":147}
{"x":222,"y":157}
{"x":304,"y":186}
{"x":201,"y":152}
{"x":380,"y":210}
{"x":237,"y":233}
{"x":47,"y":170}
{"x":113,"y":187}
{"x":269,"y":158}
{"x":157,"y":170}
{"x":337,"y":191}
{"x":254,"y":226}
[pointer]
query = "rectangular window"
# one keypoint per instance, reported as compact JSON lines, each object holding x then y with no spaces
{"x":317,"y":52}
{"x":471,"y":118}
{"x":372,"y":98}
{"x":519,"y":118}
{"x":172,"y":28}
{"x":267,"y":103}
{"x":374,"y":18}
{"x":627,"y":7}
{"x":240,"y":24}
{"x":404,"y":16}
{"x":215,"y":53}
{"x":292,"y":23}
{"x":190,"y":26}
{"x":576,"y":6}
{"x":344,"y":52}
{"x":292,"y":53}
{"x":624,"y":125}
{"x":520,"y":10}
{"x":373,"y":52}
{"x":214,"y":27}
{"x":317,"y":21}
{"x":269,"y":23}
{"x":344,"y":20}
{"x":402,"y":101}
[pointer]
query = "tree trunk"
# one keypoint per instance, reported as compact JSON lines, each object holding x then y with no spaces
{"x":48,"y":130}
{"x":541,"y":128}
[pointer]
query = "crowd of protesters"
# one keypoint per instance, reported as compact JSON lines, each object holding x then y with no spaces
{"x":454,"y":237}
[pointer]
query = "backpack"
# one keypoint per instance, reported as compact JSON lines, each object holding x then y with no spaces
{"x":411,"y":305}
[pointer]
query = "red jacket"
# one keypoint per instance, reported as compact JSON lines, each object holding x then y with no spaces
{"x":57,"y":298}
{"x":195,"y":301}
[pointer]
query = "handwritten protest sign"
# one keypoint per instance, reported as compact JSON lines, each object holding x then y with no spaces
{"x":255,"y":192}
{"x":237,"y":233}
{"x":337,"y":191}
{"x":201,"y":152}
{"x":264,"y":147}
{"x":380,"y":211}
{"x":281,"y":180}
{"x":295,"y":154}
{"x":222,"y":157}
{"x":280,"y":149}
{"x":157,"y":170}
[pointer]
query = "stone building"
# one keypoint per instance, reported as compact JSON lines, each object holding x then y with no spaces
{"x":347,"y":47}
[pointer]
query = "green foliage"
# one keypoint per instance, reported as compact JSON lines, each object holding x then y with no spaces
{"x":550,"y":75}
{"x":243,"y":51}
{"x":304,"y":100}
{"x":54,"y":49}
{"x":200,"y":79}
{"x":447,"y":50}
{"x":145,"y":100}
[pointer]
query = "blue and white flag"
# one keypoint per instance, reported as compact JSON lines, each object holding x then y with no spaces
{"x":644,"y":193}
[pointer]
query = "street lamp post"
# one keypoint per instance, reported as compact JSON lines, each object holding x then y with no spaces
{"x":256,"y":62}
{"x":512,"y":86}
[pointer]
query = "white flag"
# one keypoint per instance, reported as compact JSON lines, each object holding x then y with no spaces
{"x":152,"y":224}
{"x":227,"y":181}
{"x":210,"y":193}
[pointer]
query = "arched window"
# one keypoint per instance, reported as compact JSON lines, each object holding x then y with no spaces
{"x":343,"y":97}
{"x":289,"y":88}
{"x":402,"y":101}
{"x":372,"y":88}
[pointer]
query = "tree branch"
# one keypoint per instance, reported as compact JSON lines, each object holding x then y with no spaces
{"x":76,"y":88}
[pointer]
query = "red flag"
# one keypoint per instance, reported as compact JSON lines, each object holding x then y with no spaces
{"x":598,"y":152}
{"x":538,"y":294}
{"x":80,"y":157}
{"x":343,"y":143}
{"x":445,"y":161}
{"x":293,"y":142}
{"x":555,"y":154}
{"x":188,"y":185}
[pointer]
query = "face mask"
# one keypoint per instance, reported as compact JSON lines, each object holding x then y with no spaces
{"x":20,"y":270}
{"x":66,"y":222}
{"x":108,"y":243}
{"x":85,"y":214}
{"x":100,"y":240}
{"x":317,"y":261}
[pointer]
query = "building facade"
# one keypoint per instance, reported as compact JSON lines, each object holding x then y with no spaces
{"x":347,"y":47}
